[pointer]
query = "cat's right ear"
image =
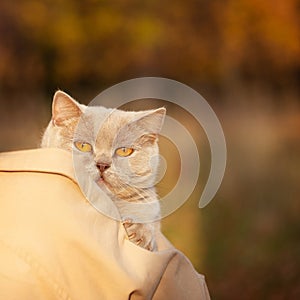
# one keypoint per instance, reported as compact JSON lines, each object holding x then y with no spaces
{"x":64,"y":107}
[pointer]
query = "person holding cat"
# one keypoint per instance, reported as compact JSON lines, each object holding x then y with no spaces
{"x":56,"y":243}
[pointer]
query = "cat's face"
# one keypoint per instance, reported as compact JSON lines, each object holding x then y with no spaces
{"x":118,"y":149}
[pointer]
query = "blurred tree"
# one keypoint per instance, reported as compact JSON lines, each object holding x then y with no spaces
{"x":260,"y":40}
{"x":46,"y":44}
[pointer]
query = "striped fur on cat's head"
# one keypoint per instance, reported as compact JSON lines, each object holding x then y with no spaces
{"x":119,"y":148}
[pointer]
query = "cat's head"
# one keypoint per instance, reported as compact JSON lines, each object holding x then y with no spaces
{"x":118,"y":148}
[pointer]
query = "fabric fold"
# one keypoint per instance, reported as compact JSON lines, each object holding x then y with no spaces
{"x":55,"y":245}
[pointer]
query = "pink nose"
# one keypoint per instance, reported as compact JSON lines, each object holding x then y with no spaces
{"x":102,"y":167}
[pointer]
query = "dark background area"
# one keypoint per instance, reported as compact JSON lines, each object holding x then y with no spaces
{"x":243,"y":56}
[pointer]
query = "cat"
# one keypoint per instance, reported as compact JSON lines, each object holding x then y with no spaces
{"x":122,"y":155}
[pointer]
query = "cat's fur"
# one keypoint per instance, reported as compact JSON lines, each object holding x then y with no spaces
{"x":124,"y":179}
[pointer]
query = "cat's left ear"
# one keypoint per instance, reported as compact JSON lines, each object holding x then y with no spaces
{"x":152,"y":121}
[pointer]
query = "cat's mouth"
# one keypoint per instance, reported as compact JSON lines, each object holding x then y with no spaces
{"x":103,"y":183}
{"x":101,"y":178}
{"x":104,"y":180}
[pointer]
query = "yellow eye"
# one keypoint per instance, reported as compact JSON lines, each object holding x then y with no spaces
{"x":83,"y":147}
{"x":124,"y":151}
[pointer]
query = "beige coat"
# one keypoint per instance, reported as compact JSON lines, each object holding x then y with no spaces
{"x":55,"y":245}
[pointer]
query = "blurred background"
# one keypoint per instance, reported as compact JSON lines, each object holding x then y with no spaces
{"x":243,"y":56}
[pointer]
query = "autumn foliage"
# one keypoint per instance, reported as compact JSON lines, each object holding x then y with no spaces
{"x":46,"y":44}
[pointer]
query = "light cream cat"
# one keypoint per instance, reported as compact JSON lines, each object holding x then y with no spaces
{"x":121,"y":155}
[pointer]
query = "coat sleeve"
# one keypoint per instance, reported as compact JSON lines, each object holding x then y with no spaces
{"x":18,"y":280}
{"x":55,"y":245}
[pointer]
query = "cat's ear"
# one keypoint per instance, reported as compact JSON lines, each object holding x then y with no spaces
{"x":144,"y":128}
{"x":64,"y":107}
{"x":151,"y":121}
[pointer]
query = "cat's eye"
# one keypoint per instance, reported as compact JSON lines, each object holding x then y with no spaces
{"x":83,"y":146}
{"x":124,"y":151}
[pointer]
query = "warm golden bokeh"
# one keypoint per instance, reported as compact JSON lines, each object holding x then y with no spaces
{"x":243,"y":56}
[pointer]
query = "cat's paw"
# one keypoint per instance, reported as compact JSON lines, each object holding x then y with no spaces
{"x":141,"y":234}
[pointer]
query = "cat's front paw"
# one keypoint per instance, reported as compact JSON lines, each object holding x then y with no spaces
{"x":140,"y":234}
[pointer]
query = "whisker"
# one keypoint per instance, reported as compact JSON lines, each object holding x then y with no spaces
{"x":133,"y":194}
